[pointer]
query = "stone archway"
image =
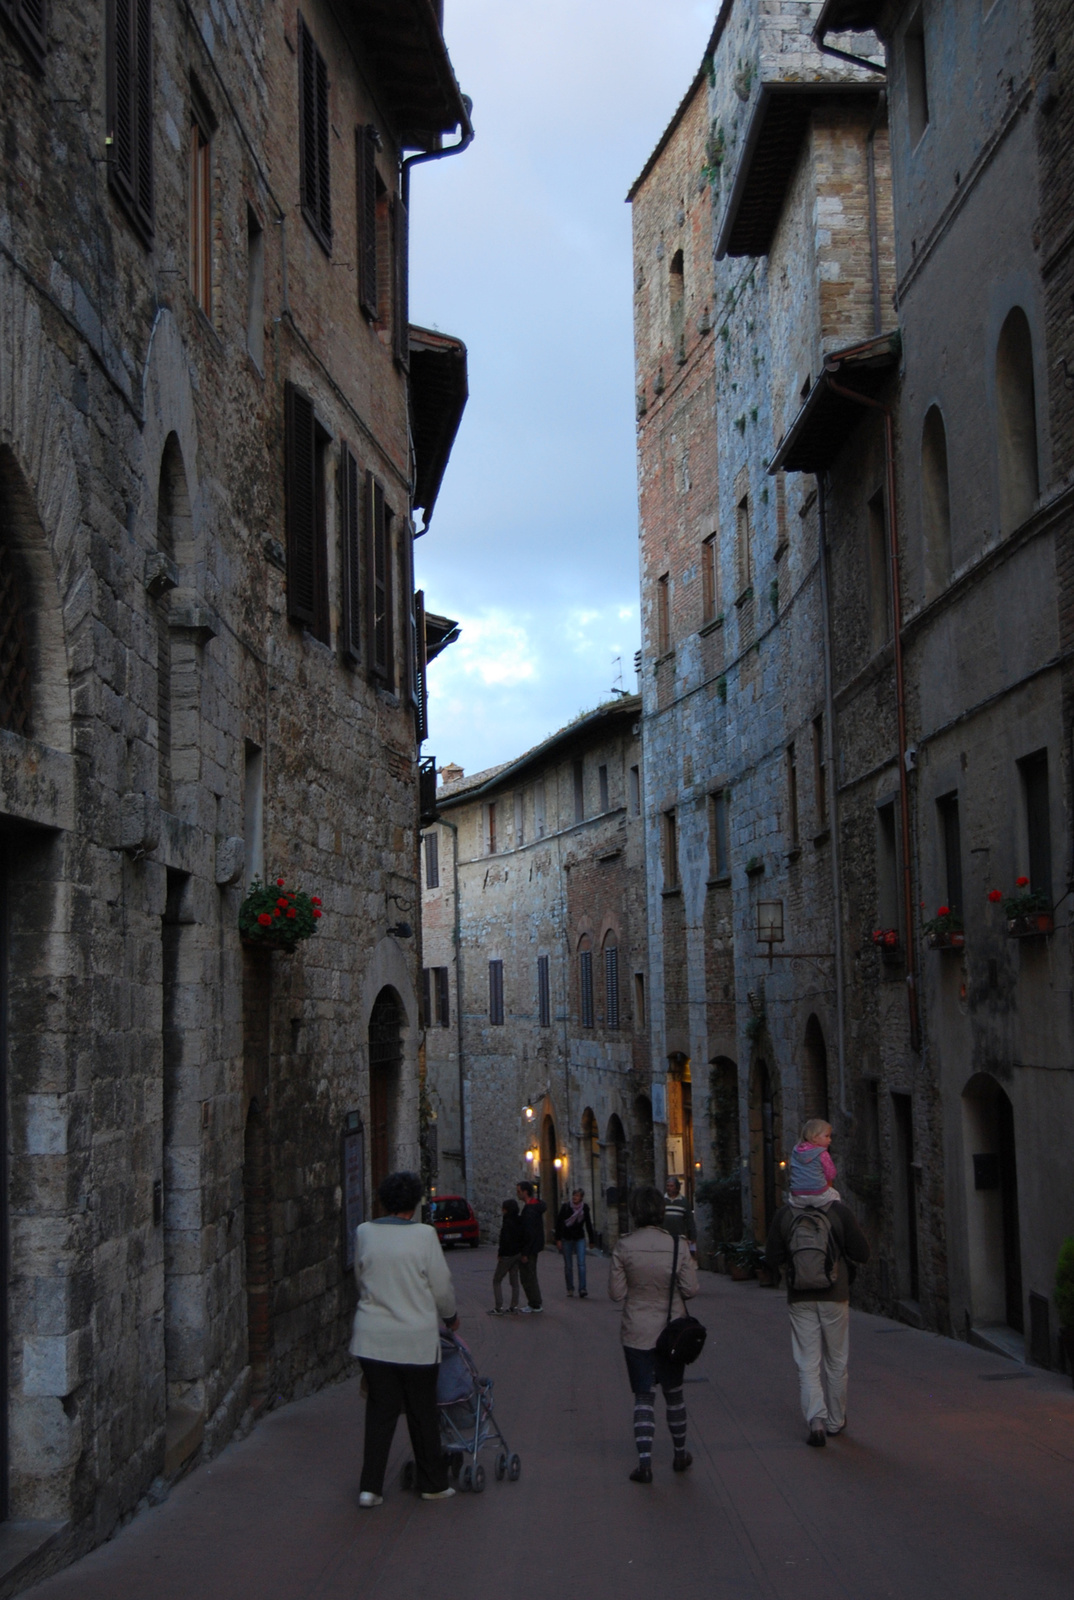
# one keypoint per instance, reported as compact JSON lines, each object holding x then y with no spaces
{"x":814,"y":1072}
{"x":994,"y":1236}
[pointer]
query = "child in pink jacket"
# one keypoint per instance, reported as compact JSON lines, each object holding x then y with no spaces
{"x":812,"y":1169}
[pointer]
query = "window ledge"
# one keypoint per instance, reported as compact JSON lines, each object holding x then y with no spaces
{"x":668,"y":655}
{"x":668,"y":894}
{"x":793,"y":853}
{"x":747,"y":594}
{"x":718,"y":883}
{"x":781,"y":549}
{"x":822,"y":837}
{"x":711,"y":627}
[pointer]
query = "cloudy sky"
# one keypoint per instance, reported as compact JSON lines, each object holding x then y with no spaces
{"x":521,"y":247}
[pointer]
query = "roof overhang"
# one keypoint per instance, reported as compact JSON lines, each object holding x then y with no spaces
{"x":439,"y":633}
{"x":403,"y":42}
{"x":827,"y":419}
{"x":772,"y":144}
{"x":438,"y":395}
{"x":848,"y":16}
{"x":626,"y":709}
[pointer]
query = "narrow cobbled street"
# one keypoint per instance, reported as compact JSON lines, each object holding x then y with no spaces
{"x":955,"y":1479}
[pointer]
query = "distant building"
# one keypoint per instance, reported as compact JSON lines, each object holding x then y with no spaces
{"x":536,"y":980}
{"x":216,"y":426}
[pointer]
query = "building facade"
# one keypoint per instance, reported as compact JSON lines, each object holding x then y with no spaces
{"x":211,"y":672}
{"x":536,"y":976}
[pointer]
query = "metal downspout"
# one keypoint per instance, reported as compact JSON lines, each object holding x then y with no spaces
{"x":456,"y":149}
{"x":833,"y":793}
{"x":464,"y":1160}
{"x":900,"y":700}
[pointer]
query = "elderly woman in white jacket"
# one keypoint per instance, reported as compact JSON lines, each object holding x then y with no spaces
{"x":640,"y":1279}
{"x":404,"y":1291}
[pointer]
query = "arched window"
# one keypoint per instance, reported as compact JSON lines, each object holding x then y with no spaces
{"x":936,"y":501}
{"x":677,"y":299}
{"x":14,"y":651}
{"x":585,"y":982}
{"x":1019,"y":481}
{"x":611,"y":982}
{"x":814,"y":1072}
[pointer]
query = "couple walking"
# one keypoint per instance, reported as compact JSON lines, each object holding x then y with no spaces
{"x":521,"y":1243}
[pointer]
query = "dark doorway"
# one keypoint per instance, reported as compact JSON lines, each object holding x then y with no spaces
{"x":549,"y":1171}
{"x":591,"y":1158}
{"x":620,"y":1173}
{"x":385,"y":1062}
{"x":643,"y":1141}
{"x":905,"y":1199}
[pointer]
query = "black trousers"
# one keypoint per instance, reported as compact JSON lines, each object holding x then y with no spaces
{"x":527,"y":1271}
{"x":395,"y":1388}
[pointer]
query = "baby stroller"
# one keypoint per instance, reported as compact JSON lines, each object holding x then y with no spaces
{"x":464,"y":1401}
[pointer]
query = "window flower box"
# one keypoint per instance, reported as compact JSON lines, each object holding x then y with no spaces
{"x":1028,"y":913}
{"x":886,"y":940}
{"x":944,"y":931}
{"x":1030,"y":925}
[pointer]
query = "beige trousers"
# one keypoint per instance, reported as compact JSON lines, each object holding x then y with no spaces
{"x":820,"y":1339}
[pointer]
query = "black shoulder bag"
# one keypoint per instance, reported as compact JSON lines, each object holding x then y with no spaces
{"x":681,"y":1341}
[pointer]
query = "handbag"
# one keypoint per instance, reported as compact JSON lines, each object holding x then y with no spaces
{"x":681,"y":1340}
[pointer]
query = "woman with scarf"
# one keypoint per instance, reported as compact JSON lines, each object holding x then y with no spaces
{"x":573,"y":1227}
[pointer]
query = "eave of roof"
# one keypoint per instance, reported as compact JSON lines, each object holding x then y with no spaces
{"x":403,"y":42}
{"x":626,"y":708}
{"x":439,"y":633}
{"x":438,"y":394}
{"x":826,"y":419}
{"x":847,"y":16}
{"x":773,"y":140}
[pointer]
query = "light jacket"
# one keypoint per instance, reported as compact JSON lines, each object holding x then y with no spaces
{"x":404,"y":1289}
{"x":640,"y":1279}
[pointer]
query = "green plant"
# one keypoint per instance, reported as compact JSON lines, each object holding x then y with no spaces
{"x":1064,"y":1284}
{"x":1027,"y":903}
{"x":272,"y":914}
{"x":945,"y":921}
{"x":747,"y":1253}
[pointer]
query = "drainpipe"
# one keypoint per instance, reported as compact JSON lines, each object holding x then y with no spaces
{"x":455,"y":149}
{"x":874,"y":241}
{"x":833,"y":791}
{"x":900,"y":700}
{"x":464,"y":1160}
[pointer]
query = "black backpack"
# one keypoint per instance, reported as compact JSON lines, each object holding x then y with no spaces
{"x":681,"y":1341}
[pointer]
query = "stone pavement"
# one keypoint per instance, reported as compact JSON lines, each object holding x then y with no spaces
{"x":955,"y":1479}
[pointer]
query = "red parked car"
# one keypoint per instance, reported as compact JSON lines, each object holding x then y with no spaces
{"x":454,"y":1220}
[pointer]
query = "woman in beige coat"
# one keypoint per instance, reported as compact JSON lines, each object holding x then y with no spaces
{"x":641,"y":1280}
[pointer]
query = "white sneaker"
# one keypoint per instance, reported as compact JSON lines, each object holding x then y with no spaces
{"x":440,"y":1494}
{"x":367,"y":1500}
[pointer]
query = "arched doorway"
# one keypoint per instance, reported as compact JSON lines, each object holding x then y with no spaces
{"x":726,"y":1149}
{"x":620,"y":1174}
{"x":257,"y":1200}
{"x":763,"y":1145}
{"x":814,"y":1072}
{"x":549,"y":1171}
{"x":995,"y":1253}
{"x":680,"y":1135}
{"x":385,"y":1064}
{"x":642,"y":1152}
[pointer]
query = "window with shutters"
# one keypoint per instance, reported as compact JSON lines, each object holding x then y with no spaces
{"x":314,"y":137}
{"x":409,"y":620}
{"x":351,"y":556}
{"x":200,"y":200}
{"x":28,"y":22}
{"x":400,"y":283}
{"x":611,"y":983}
{"x":443,"y":1001}
{"x":307,"y":545}
{"x":709,"y":595}
{"x":544,"y":993}
{"x":820,"y":771}
{"x":370,"y":187}
{"x":14,"y":652}
{"x":496,"y":993}
{"x":585,"y":984}
{"x":380,"y":599}
{"x":719,"y":836}
{"x":663,"y":614}
{"x":129,"y":50}
{"x":435,"y":997}
{"x":432,"y":860}
{"x":255,"y":288}
{"x":1034,"y":770}
{"x":671,"y":850}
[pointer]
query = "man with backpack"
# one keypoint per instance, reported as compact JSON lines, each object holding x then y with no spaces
{"x":815,"y":1242}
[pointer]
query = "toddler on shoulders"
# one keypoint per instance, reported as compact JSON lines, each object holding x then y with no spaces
{"x":813,"y":1171}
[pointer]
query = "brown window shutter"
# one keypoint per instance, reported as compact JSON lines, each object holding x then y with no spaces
{"x":350,"y":540}
{"x":300,"y":449}
{"x":443,"y":1000}
{"x":314,"y":137}
{"x":379,"y":631}
{"x":366,"y":153}
{"x":400,"y":299}
{"x":426,"y":1001}
{"x":421,"y":695}
{"x":130,"y":109}
{"x":28,"y":22}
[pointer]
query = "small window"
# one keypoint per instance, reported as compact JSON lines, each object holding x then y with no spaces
{"x":677,"y":305}
{"x":917,"y":86}
{"x":492,"y":827}
{"x":314,"y":137}
{"x":544,"y":993}
{"x":254,"y":811}
{"x":635,"y":791}
{"x":950,"y":832}
{"x":719,"y":843}
{"x":639,"y":999}
{"x":671,"y":851}
{"x":709,"y":597}
{"x":443,"y":999}
{"x":432,"y":860}
{"x":663,"y":614}
{"x":130,"y":109}
{"x":307,"y":539}
{"x":792,"y":797}
{"x":879,"y":572}
{"x":255,"y":288}
{"x":1019,"y":476}
{"x":579,"y":791}
{"x":935,"y":501}
{"x":744,"y":544}
{"x":496,"y":993}
{"x":602,"y":780}
{"x":585,"y":987}
{"x":611,"y":985}
{"x":201,"y":211}
{"x":1034,"y":770}
{"x":820,"y":772}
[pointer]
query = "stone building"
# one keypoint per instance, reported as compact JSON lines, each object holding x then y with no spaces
{"x":536,"y":976}
{"x":211,"y":453}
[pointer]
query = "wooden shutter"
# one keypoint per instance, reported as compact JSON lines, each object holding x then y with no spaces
{"x":426,"y":996}
{"x":366,"y":154}
{"x":496,"y":992}
{"x":544,"y":997}
{"x":585,"y":974}
{"x":611,"y":986}
{"x":378,"y":582}
{"x":300,"y":448}
{"x":28,"y":22}
{"x":350,"y":542}
{"x":314,"y":136}
{"x":443,"y":999}
{"x":432,"y":861}
{"x":401,"y":276}
{"x":130,"y":108}
{"x":421,"y":695}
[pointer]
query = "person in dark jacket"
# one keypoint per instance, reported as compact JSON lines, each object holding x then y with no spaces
{"x":816,"y":1244}
{"x":573,"y":1227}
{"x":678,"y":1217}
{"x":508,"y":1256}
{"x":532,"y":1220}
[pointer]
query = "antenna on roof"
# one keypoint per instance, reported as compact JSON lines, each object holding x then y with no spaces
{"x":617,"y":686}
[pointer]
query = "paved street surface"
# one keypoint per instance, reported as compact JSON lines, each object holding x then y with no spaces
{"x":955,"y":1480}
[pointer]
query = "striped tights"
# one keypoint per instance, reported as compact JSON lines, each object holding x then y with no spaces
{"x":645,"y":1422}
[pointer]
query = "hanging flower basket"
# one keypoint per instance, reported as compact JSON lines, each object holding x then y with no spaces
{"x":944,"y":931}
{"x":278,"y":918}
{"x":1028,"y":913}
{"x":886,"y":940}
